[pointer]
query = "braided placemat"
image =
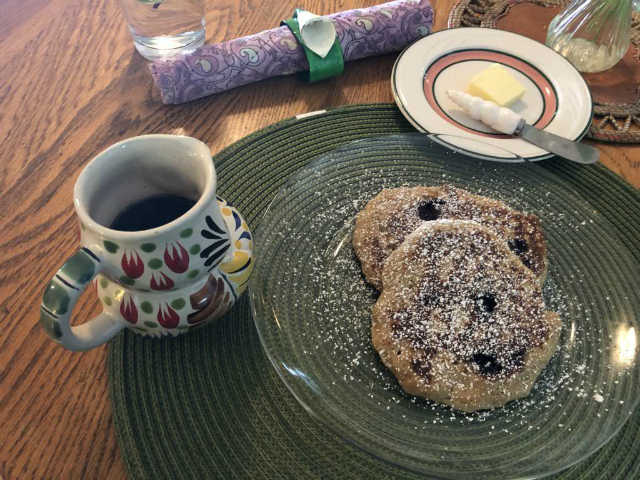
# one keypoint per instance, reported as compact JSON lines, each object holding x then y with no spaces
{"x":209,"y":405}
{"x":617,"y":123}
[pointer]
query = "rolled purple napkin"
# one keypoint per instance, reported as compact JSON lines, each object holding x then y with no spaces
{"x":215,"y":68}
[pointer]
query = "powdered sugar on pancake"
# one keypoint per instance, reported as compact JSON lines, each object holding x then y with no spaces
{"x":394,"y":213}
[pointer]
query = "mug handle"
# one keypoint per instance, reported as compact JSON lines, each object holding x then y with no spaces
{"x":60,"y":297}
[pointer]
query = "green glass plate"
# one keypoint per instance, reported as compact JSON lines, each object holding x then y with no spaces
{"x":312,"y":309}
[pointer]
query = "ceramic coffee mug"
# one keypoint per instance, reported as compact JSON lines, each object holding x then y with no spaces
{"x":162,"y":281}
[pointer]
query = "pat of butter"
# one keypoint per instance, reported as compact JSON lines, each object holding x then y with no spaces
{"x":496,"y":84}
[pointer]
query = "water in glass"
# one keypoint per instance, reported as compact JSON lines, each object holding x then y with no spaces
{"x":164,"y":27}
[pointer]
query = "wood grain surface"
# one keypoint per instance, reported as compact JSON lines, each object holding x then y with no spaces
{"x":71,"y":84}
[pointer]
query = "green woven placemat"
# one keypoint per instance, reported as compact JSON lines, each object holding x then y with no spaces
{"x":209,"y":404}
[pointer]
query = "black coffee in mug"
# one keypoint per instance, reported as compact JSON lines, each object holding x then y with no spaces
{"x":158,"y":269}
{"x":151,"y":212}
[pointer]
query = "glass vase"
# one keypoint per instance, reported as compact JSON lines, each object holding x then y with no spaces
{"x":592,"y":34}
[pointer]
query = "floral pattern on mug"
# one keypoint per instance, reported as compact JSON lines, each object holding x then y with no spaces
{"x":146,"y":279}
{"x":166,"y":311}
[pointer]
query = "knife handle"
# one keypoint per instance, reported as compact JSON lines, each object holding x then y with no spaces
{"x":501,"y":119}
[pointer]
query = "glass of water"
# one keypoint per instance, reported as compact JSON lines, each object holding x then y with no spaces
{"x":163,"y":28}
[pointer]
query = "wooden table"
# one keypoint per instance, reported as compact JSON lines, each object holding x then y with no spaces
{"x":71,"y":84}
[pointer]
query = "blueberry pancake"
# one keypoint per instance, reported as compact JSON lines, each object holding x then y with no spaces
{"x":461,"y":320}
{"x":393,"y":214}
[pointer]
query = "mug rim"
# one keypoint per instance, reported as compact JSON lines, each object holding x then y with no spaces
{"x":206,"y":197}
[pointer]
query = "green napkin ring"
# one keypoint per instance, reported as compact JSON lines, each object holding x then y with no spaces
{"x":319,"y":68}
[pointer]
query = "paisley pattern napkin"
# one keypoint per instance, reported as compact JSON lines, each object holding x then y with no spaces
{"x":215,"y":68}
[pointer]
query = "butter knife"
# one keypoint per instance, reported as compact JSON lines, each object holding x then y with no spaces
{"x":509,"y":122}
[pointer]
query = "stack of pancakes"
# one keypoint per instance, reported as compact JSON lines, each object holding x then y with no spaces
{"x":461,"y":319}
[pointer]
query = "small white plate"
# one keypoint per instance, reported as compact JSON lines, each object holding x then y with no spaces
{"x":557,"y":98}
